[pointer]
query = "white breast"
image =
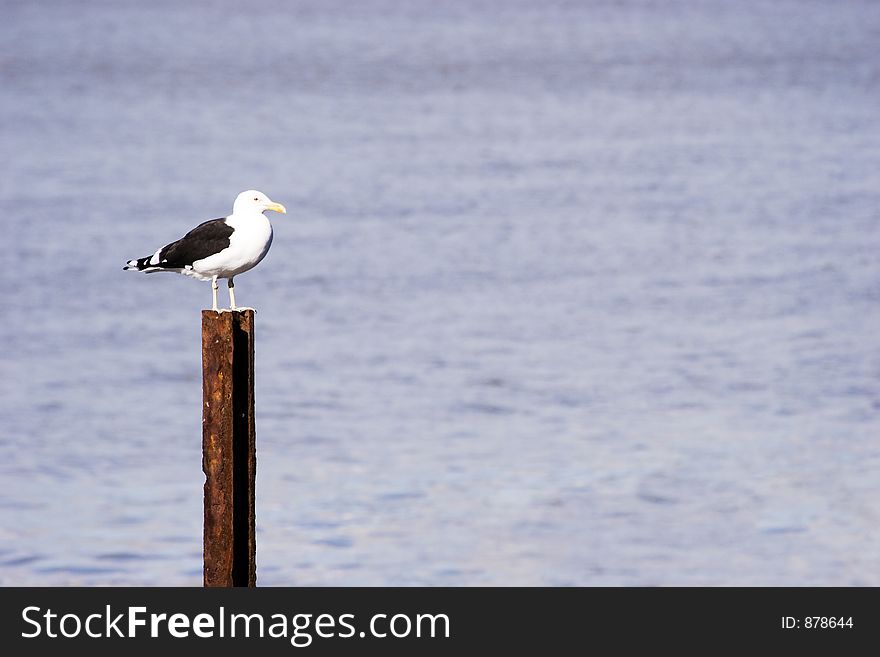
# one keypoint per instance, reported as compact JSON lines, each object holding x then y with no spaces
{"x":248,"y":245}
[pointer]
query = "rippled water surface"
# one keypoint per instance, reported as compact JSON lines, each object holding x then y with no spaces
{"x":568,"y":293}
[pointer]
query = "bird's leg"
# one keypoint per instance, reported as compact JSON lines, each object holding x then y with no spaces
{"x":231,"y":294}
{"x":214,"y":293}
{"x":232,"y":307}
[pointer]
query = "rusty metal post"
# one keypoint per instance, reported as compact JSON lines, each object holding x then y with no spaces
{"x":229,"y":447}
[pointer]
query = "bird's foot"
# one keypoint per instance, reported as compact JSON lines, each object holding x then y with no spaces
{"x":236,"y":309}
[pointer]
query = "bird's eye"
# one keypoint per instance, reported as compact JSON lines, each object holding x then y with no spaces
{"x":256,"y":198}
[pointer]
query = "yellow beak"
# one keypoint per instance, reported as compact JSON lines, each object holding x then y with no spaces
{"x":277,"y":207}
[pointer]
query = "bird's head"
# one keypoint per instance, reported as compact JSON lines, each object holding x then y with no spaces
{"x":252,"y":200}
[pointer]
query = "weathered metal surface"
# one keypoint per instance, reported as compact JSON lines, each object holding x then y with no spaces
{"x":228,"y":448}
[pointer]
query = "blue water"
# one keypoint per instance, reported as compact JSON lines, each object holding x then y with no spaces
{"x":568,"y":293}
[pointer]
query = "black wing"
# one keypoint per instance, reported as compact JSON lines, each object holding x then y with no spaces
{"x":204,"y":240}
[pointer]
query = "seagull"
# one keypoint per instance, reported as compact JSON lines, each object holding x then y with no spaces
{"x":219,"y":248}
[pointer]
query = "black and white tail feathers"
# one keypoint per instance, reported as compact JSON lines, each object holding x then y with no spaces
{"x":140,"y":264}
{"x":149,"y":264}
